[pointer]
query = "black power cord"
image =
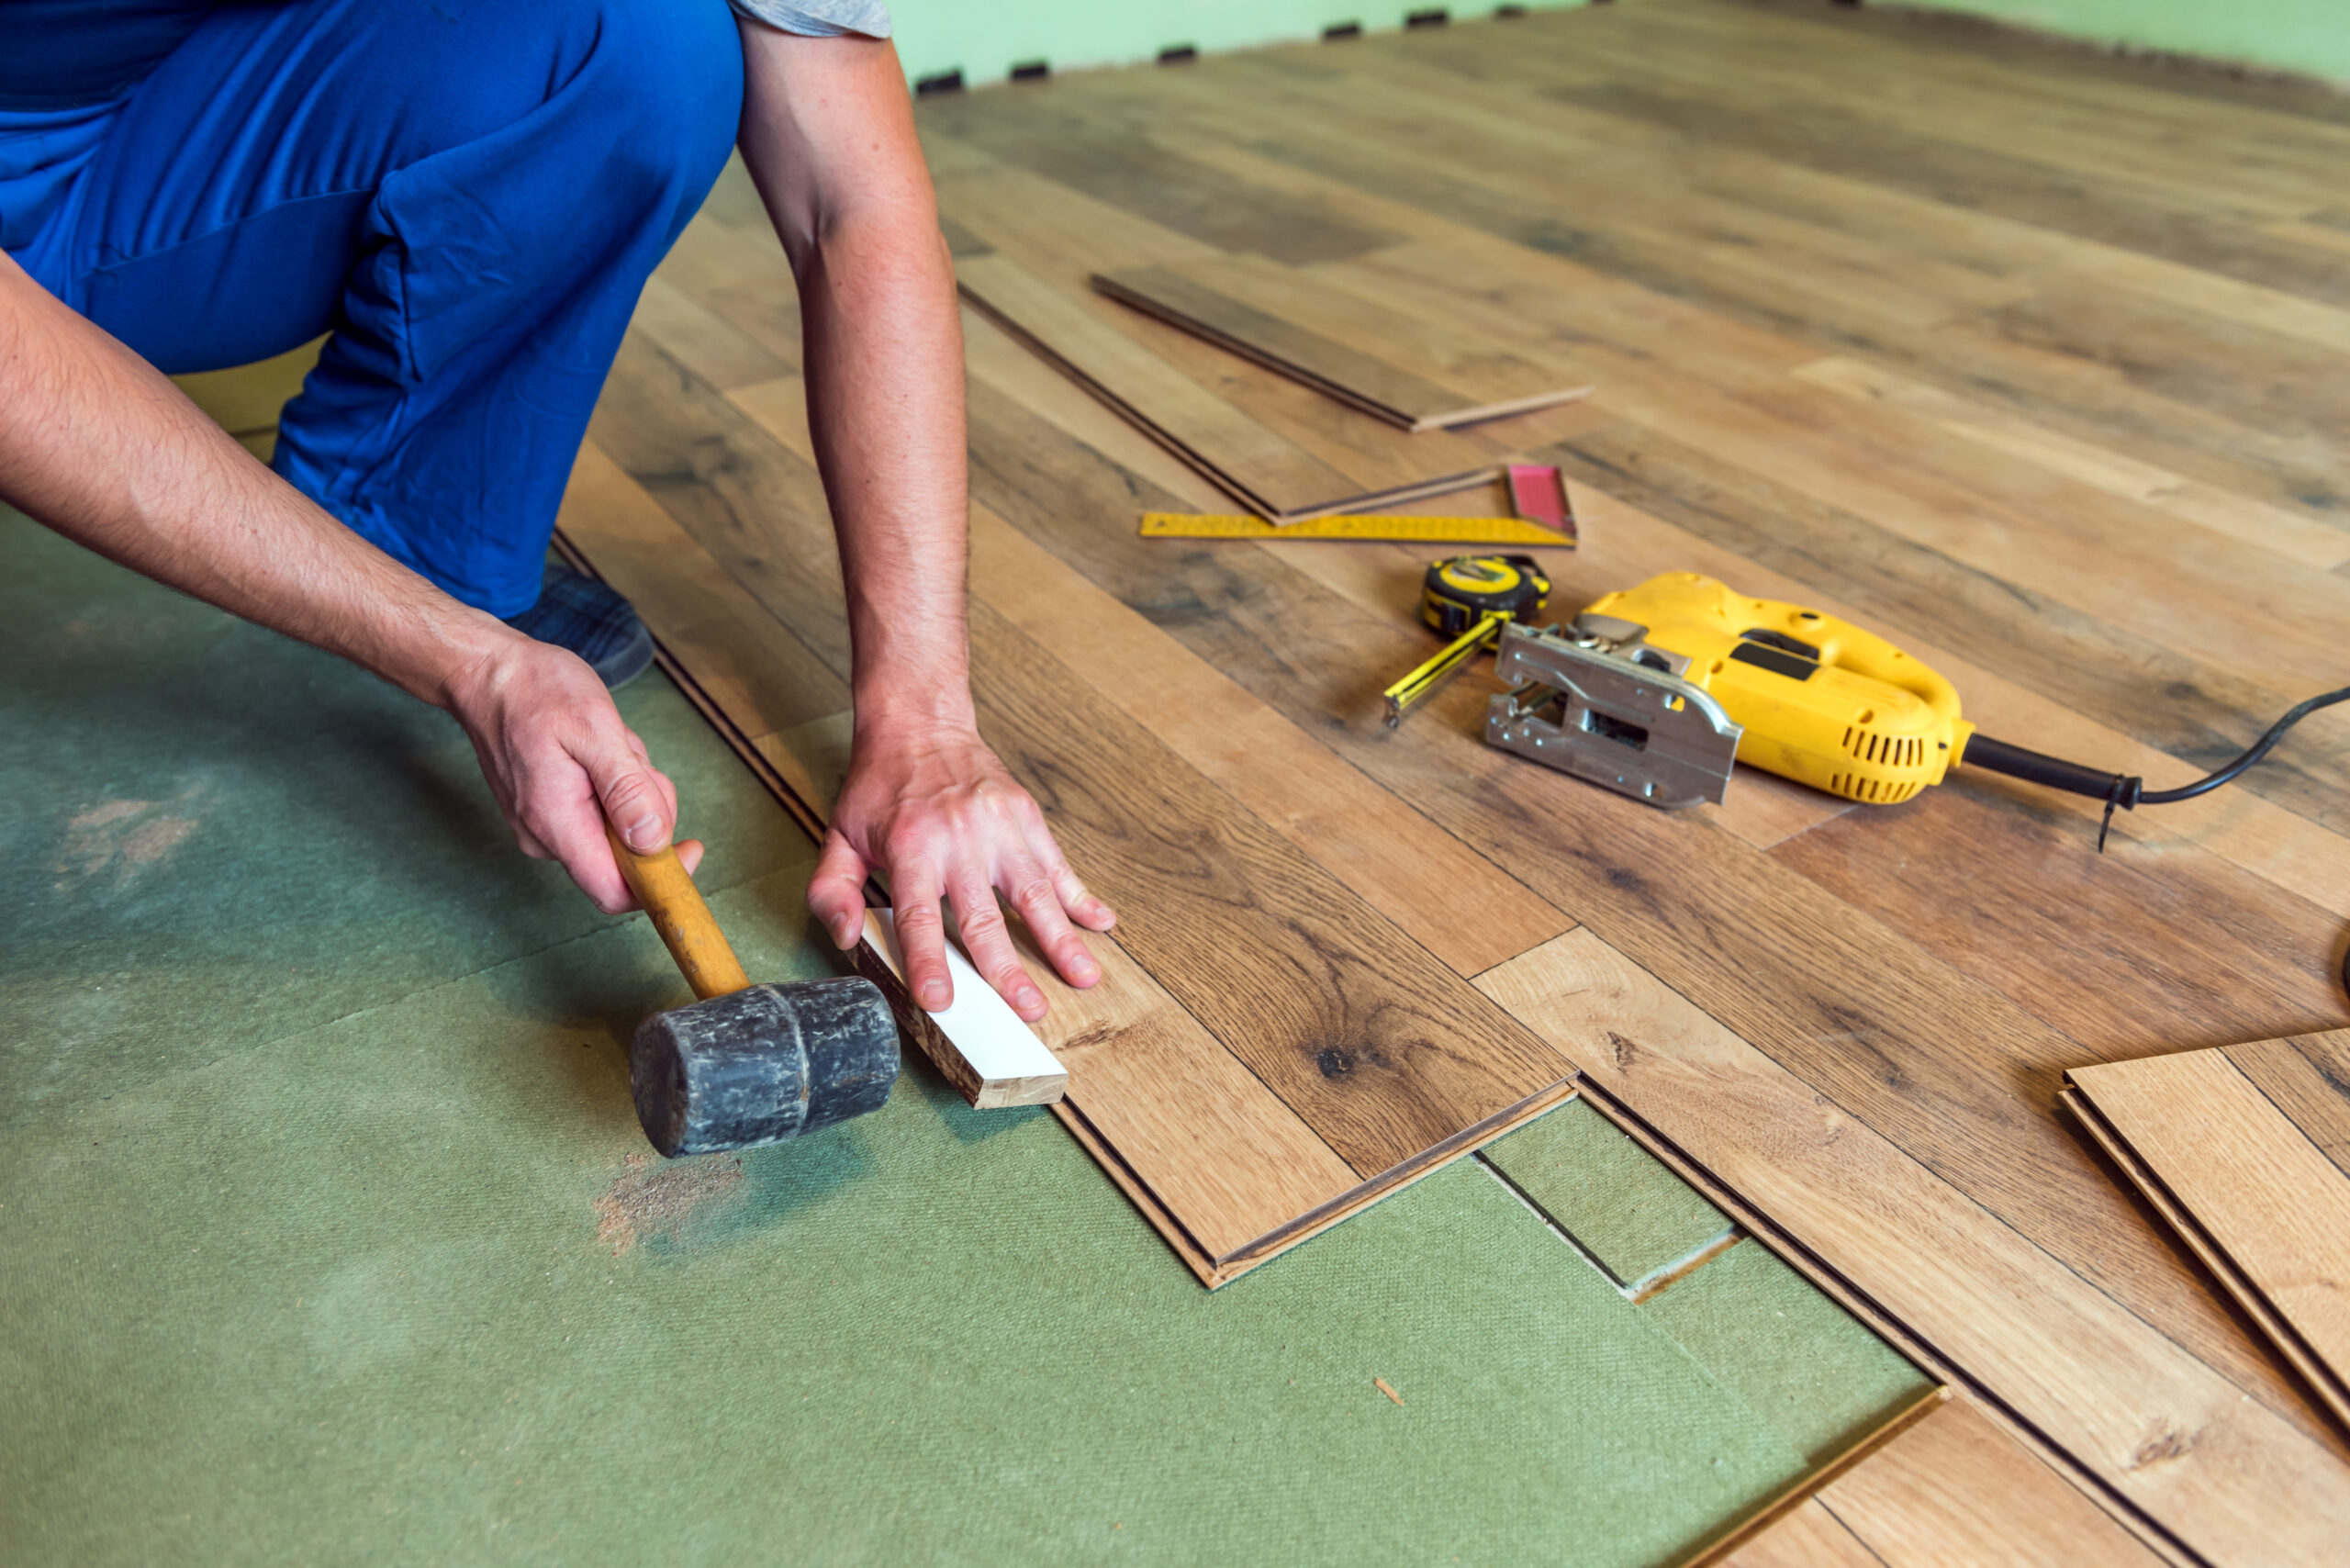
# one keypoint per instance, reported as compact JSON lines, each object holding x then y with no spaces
{"x":2124,"y":791}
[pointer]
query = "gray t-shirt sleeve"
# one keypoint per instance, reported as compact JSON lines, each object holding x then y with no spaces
{"x":819,"y":18}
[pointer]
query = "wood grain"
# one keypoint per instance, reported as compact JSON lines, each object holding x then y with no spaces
{"x":2309,"y":1080}
{"x":1955,"y":1491}
{"x":1384,"y":1051}
{"x":2176,"y":1440}
{"x":1258,"y":313}
{"x":1267,"y":473}
{"x":2260,"y":1200}
{"x":1399,"y":1081}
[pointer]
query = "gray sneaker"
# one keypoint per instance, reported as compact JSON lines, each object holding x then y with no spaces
{"x":580,"y":613}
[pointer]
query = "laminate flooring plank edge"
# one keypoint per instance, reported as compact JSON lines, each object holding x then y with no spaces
{"x":1743,"y":1531}
{"x":1361,"y":381}
{"x":805,"y":799}
{"x":1824,"y":1276}
{"x":2052,"y":1380}
{"x":2319,"y":1379}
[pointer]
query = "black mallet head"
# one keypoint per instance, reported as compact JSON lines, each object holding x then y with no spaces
{"x":763,"y":1065}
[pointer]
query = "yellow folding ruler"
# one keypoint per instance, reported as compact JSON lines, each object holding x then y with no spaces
{"x":1413,"y":530}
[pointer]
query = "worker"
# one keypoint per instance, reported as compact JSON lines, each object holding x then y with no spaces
{"x":469,"y":195}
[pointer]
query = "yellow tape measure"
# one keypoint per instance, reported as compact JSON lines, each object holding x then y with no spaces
{"x":1406,"y":529}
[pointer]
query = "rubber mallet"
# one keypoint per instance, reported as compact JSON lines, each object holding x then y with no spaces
{"x":746,"y":1064}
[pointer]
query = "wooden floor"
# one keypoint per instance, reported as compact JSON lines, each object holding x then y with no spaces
{"x":2036,"y":363}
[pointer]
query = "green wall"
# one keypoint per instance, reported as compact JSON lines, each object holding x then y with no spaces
{"x":933,"y":36}
{"x":2311,"y":36}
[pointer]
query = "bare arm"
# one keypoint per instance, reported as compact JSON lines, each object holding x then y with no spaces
{"x":99,"y":445}
{"x":828,"y":133}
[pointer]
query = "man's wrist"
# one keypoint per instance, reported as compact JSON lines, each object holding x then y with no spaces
{"x":921,"y":712}
{"x":446,"y":654}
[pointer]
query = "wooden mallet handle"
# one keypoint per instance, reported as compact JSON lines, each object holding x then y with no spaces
{"x":688,"y":928}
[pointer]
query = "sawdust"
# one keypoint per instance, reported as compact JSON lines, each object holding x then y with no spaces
{"x":643,"y":1203}
{"x":121,"y":839}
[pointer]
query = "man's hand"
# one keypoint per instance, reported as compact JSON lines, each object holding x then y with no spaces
{"x":562,"y":763}
{"x":930,"y":807}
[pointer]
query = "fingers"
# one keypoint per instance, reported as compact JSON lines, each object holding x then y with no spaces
{"x":836,"y":892}
{"x":1081,"y":905}
{"x":638,"y":801}
{"x":922,"y":935}
{"x":988,"y":940}
{"x":1038,"y":898}
{"x":689,"y":852}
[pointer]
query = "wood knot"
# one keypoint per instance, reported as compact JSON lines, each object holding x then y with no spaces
{"x":1334,"y":1062}
{"x":1624,"y":1051}
{"x":2166,"y":1444}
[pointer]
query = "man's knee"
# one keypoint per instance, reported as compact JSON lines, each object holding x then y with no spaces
{"x":669,"y":73}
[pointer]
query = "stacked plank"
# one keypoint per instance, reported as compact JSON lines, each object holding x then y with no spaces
{"x":1151,"y":325}
{"x":2245,"y":1150}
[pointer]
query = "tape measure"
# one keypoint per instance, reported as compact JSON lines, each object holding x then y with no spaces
{"x":1463,"y":590}
{"x":1404,"y":529}
{"x":1468,"y":599}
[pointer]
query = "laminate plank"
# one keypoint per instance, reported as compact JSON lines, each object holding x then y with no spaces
{"x":1242,"y":309}
{"x":1221,"y":1157}
{"x":1227,"y":1167}
{"x":1573,"y":211}
{"x":2265,"y":1198}
{"x":992,"y":357}
{"x":1438,"y":892}
{"x":2150,"y":156}
{"x":765,"y":678}
{"x":757,"y":508}
{"x":1296,"y":439}
{"x":713,"y":349}
{"x":1447,"y":899}
{"x":1808,"y":1537}
{"x":1407,"y":1081}
{"x":1727,"y":1543}
{"x":1062,"y":237}
{"x":2153,"y":1424}
{"x":1382,"y":1050}
{"x":1261,"y":470}
{"x":2113,"y":949}
{"x":2289,"y":533}
{"x":1165,"y":187}
{"x":1841,"y":142}
{"x":741,"y":278}
{"x":1955,"y":1491}
{"x":1666,"y":888}
{"x":2253,"y":105}
{"x":2308,"y":1079}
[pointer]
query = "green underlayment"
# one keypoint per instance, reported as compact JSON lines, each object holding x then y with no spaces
{"x":327,"y":1234}
{"x":1635,"y":1217}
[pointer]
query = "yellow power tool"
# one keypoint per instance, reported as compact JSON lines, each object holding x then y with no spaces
{"x":1653,"y":691}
